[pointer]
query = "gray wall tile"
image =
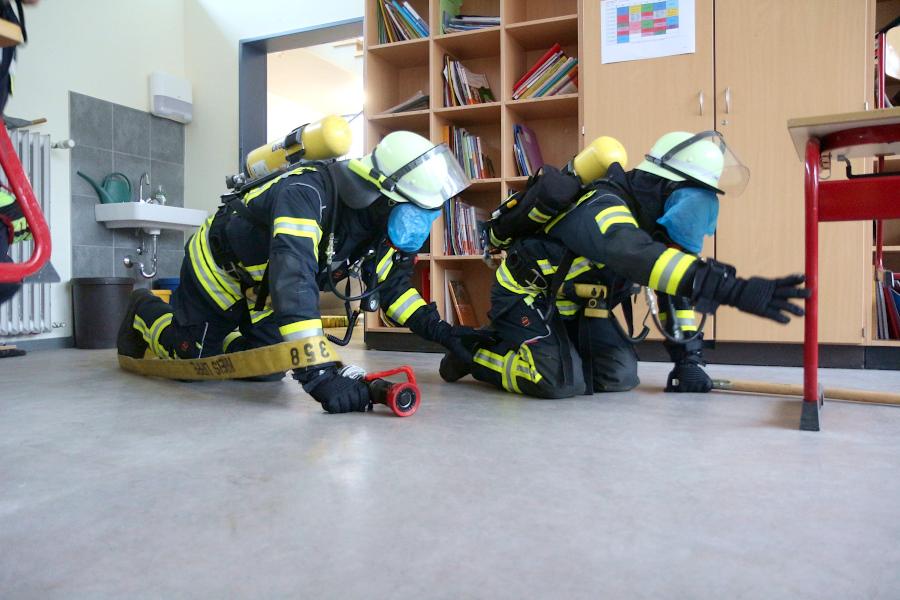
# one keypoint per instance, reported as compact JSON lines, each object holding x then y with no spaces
{"x":171,"y":177}
{"x":166,"y":140}
{"x":86,"y":231}
{"x":94,"y":163}
{"x":171,"y":241}
{"x":92,"y":261}
{"x":126,"y":238}
{"x":131,"y":131}
{"x":132,"y":167}
{"x":170,"y":263}
{"x":90,"y":121}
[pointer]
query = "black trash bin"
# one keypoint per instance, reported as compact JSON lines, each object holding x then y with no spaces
{"x":99,"y":305}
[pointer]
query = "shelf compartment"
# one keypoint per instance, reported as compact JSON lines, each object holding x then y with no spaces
{"x":470,"y":114}
{"x":546,"y":107}
{"x":518,"y":11}
{"x":389,"y":84}
{"x":410,"y":52}
{"x":485,"y":185}
{"x":477,"y":60}
{"x":414,"y":120}
{"x":478,"y":279}
{"x":546,"y":32}
{"x":484,"y":8}
{"x":471,"y":44}
{"x":557,"y":134}
{"x":373,"y":16}
{"x":521,"y":54}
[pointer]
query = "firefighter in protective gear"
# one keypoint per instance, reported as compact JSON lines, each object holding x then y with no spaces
{"x":554,"y":334}
{"x":289,"y":238}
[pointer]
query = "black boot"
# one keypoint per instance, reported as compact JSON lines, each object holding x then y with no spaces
{"x":452,"y":368}
{"x":129,"y":341}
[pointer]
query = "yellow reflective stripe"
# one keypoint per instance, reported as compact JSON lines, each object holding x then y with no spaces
{"x":669,"y":269}
{"x":505,"y":278}
{"x":264,"y":187}
{"x":488,"y":359}
{"x":257,"y":316}
{"x":497,"y":241}
{"x":579,"y":265}
{"x":546,"y":267}
{"x":567,"y":307}
{"x":560,"y":216}
{"x":509,"y":371}
{"x":499,"y":364}
{"x":684,"y":318}
{"x":299,"y":330}
{"x":537,"y":216}
{"x":151,"y":334}
{"x":385,"y":265}
{"x":230,"y":339}
{"x":217,"y":284}
{"x":403,"y":307}
{"x":526,"y":364}
{"x":256,"y":272}
{"x":613,"y":215}
{"x":299,"y":227}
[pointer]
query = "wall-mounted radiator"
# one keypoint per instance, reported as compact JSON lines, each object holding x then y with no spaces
{"x":29,"y":311}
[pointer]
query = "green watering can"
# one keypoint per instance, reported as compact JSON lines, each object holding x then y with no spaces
{"x":116,"y":187}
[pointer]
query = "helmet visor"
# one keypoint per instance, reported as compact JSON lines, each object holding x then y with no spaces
{"x":706,"y":159}
{"x":431,"y":179}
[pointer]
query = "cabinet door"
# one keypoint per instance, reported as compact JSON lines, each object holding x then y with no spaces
{"x":777,"y":60}
{"x":638,"y":101}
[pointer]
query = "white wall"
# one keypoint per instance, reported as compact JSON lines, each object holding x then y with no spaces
{"x":102,"y":48}
{"x":213,"y":29}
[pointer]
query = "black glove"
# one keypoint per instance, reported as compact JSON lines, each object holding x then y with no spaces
{"x":715,"y":283}
{"x":336,"y":393}
{"x":461,"y":341}
{"x":688,"y":377}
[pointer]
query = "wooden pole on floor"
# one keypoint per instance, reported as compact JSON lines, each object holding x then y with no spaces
{"x":787,"y":389}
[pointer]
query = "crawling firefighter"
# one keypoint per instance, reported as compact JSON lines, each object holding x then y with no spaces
{"x":252,"y":273}
{"x":577,"y":248}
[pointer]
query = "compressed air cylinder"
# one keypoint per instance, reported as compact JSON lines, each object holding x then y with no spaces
{"x":329,"y":137}
{"x":592,"y":162}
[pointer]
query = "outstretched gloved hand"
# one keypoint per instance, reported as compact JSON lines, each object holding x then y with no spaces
{"x":461,"y":341}
{"x":335,"y":392}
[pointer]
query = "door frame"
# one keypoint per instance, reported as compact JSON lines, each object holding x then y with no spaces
{"x":253,"y":74}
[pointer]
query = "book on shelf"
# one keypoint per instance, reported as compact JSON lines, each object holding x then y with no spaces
{"x":887,"y":306}
{"x":399,"y":21}
{"x":462,"y":304}
{"x":449,"y":313}
{"x":462,"y":228}
{"x":554,"y":73}
{"x":454,"y":23}
{"x":462,"y":86}
{"x":418,"y":101}
{"x":527,"y":151}
{"x":469,"y":152}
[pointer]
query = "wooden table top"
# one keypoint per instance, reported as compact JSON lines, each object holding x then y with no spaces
{"x":801,"y":130}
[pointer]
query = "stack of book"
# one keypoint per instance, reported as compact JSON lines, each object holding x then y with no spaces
{"x":526,"y":150}
{"x":456,"y":23}
{"x":458,"y":308}
{"x":418,"y":101}
{"x":462,"y":227}
{"x":399,"y":21}
{"x":887,"y":306}
{"x":462,"y":86}
{"x":468,"y":151}
{"x":555,"y":73}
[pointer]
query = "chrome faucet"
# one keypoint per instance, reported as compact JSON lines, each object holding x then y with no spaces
{"x":141,"y":186}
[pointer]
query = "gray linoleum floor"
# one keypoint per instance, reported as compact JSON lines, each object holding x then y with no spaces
{"x":114,"y":486}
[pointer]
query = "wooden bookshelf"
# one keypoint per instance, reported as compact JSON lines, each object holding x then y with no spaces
{"x":393,"y":72}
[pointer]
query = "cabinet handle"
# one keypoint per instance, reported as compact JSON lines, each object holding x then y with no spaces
{"x":727,"y":100}
{"x":700,"y":99}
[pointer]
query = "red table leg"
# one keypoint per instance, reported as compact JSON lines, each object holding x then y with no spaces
{"x":809,"y":419}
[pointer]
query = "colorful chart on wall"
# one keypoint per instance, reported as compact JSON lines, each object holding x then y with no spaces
{"x":636,"y":30}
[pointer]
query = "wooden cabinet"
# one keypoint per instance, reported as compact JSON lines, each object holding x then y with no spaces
{"x":771,"y":61}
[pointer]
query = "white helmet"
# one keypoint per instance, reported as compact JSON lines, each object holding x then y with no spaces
{"x":407,"y":167}
{"x":703,"y":158}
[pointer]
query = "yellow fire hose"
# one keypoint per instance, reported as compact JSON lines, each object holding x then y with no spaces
{"x":238,"y":365}
{"x":787,"y":389}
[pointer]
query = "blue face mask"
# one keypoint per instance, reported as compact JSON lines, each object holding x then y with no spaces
{"x":409,"y":226}
{"x":690,"y":214}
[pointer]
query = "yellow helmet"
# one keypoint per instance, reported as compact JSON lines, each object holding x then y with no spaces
{"x":407,"y":167}
{"x":704,"y":159}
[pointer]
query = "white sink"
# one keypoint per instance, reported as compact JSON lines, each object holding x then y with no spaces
{"x":149,"y":217}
